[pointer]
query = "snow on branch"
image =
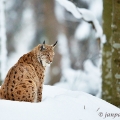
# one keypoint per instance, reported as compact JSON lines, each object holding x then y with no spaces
{"x":69,"y":6}
{"x":81,"y":13}
{"x":89,"y":17}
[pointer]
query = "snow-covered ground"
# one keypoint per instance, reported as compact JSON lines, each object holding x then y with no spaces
{"x":60,"y":104}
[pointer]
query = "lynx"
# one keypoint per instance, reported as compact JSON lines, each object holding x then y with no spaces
{"x":24,"y":81}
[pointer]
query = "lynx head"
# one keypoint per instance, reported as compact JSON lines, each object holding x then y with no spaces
{"x":45,"y":53}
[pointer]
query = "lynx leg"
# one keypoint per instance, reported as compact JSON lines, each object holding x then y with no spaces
{"x":25,"y":91}
{"x":39,"y":94}
{"x":3,"y":94}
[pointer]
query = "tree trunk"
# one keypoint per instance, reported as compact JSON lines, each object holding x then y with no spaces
{"x":116,"y":53}
{"x":106,"y":57}
{"x":111,"y":59}
{"x":51,"y":32}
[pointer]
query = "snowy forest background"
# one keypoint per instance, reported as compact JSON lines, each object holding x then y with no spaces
{"x":76,"y":24}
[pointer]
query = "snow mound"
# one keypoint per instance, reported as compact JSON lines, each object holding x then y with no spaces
{"x":58,"y":104}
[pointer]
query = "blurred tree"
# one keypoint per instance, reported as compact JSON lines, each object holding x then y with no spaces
{"x":111,"y":59}
{"x":13,"y":22}
{"x":39,"y":20}
{"x":106,"y":55}
{"x":116,"y":52}
{"x":51,"y":28}
{"x":3,"y":51}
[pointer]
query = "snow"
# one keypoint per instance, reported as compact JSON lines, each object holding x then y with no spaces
{"x":69,"y":6}
{"x":83,"y":31}
{"x":85,"y":14}
{"x":88,"y":80}
{"x":59,"y":104}
{"x":117,"y":76}
{"x":116,"y":45}
{"x":96,"y":7}
{"x":89,"y":17}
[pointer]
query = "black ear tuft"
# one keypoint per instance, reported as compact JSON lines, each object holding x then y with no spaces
{"x":43,"y":46}
{"x":55,"y":44}
{"x":44,"y":42}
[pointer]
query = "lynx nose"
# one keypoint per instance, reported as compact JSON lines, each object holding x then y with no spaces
{"x":50,"y":61}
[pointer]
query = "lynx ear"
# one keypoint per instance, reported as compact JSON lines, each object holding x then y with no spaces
{"x":43,"y":46}
{"x":44,"y":42}
{"x":55,"y":44}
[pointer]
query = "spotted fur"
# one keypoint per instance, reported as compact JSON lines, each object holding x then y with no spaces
{"x":24,"y":81}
